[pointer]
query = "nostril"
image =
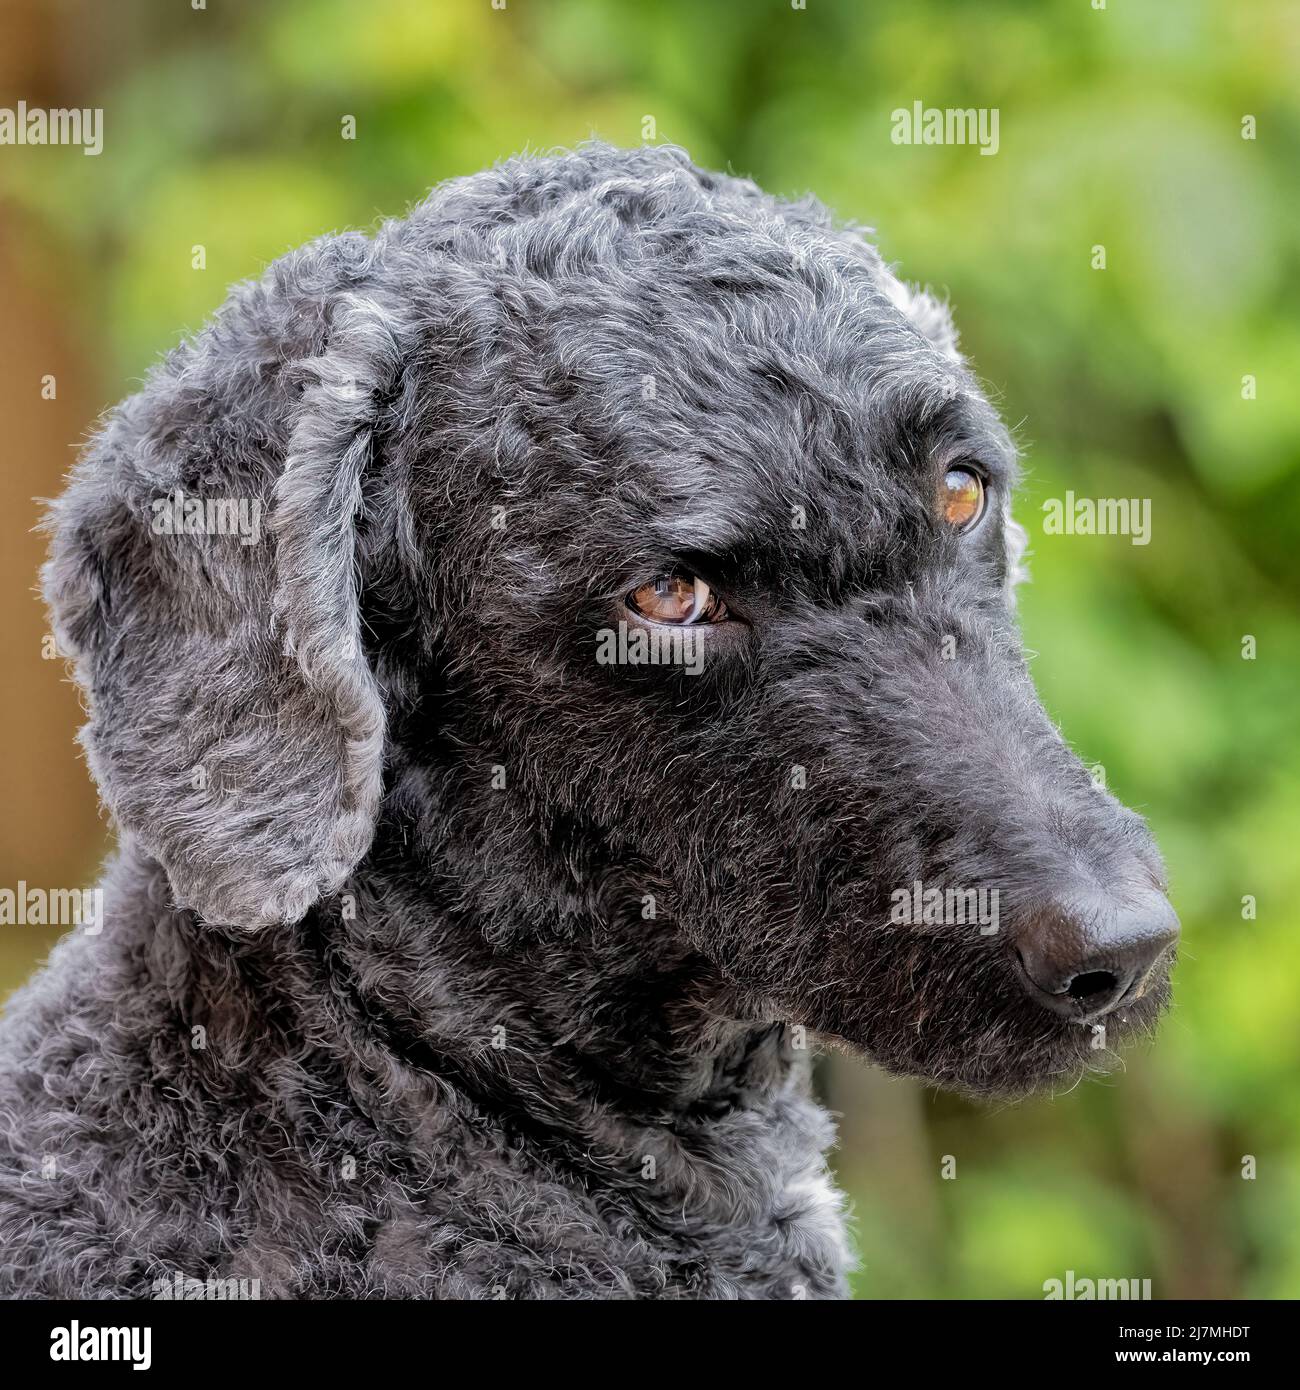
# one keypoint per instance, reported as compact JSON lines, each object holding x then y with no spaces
{"x":1094,"y":982}
{"x":1083,"y":955}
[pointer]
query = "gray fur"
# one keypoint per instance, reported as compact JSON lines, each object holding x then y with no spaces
{"x":365,"y":1022}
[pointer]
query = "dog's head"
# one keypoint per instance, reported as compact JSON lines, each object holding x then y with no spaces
{"x":649,"y":525}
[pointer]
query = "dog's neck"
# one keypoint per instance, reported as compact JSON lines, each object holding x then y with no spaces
{"x":593,"y":1056}
{"x":569,"y":992}
{"x":605,"y":1053}
{"x":565,"y":1015}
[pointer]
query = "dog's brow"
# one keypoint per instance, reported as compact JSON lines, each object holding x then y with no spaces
{"x":708,"y":533}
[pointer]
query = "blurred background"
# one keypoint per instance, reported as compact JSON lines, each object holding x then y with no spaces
{"x":1171,"y":374}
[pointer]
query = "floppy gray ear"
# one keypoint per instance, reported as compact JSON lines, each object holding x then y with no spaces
{"x":202,"y":574}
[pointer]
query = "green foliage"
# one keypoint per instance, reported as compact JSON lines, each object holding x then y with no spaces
{"x":1119,"y":127}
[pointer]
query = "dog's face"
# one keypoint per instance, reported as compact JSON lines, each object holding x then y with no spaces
{"x":685,"y":562}
{"x":742,"y":619}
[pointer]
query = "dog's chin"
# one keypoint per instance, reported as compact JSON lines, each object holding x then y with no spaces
{"x":1015,"y":1056}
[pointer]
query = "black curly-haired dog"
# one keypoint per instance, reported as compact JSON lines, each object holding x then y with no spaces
{"x":548,"y":663}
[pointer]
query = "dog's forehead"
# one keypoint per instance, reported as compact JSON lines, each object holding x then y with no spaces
{"x":745,"y":410}
{"x":669,"y":359}
{"x":796,"y":333}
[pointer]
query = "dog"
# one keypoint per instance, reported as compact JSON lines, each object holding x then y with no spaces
{"x":622,"y":697}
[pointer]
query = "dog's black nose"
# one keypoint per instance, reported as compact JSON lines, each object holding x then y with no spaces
{"x":1084,"y":956}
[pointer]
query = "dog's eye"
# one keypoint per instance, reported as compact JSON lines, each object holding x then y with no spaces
{"x":962,"y":498}
{"x":677,"y":598}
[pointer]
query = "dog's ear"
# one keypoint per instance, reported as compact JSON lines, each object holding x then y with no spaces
{"x":203,"y":576}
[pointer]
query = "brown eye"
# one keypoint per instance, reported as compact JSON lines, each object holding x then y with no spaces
{"x":962,"y":498}
{"x":677,"y":598}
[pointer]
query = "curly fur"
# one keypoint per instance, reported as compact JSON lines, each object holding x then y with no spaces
{"x":441,"y":960}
